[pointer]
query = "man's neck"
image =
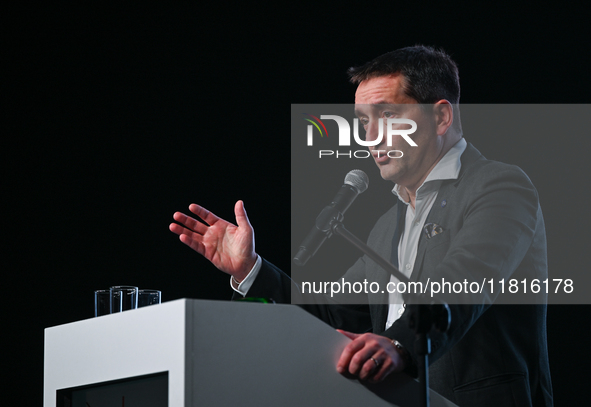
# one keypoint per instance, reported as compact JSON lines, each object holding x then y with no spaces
{"x":411,"y":190}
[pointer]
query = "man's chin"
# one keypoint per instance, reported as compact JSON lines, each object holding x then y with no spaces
{"x":388,"y":175}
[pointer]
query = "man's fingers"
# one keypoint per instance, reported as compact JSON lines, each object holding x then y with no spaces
{"x":370,"y":368}
{"x":194,"y":244}
{"x":384,"y":368}
{"x":190,"y":223}
{"x":349,"y":335}
{"x":359,"y":363}
{"x":180,"y":230}
{"x":350,"y":351}
{"x":176,"y":228}
{"x":204,"y":214}
{"x":371,"y":365}
{"x":192,"y":239}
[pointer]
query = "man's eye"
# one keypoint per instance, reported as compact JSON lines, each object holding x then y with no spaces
{"x":389,"y":115}
{"x":364,"y":122}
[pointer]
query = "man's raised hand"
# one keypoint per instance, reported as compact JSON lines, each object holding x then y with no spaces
{"x":229,"y":247}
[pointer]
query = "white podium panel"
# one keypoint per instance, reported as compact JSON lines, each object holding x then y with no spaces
{"x":214,"y":353}
{"x":117,"y":346}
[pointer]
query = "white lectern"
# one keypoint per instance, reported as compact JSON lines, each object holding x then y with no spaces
{"x":208,"y":353}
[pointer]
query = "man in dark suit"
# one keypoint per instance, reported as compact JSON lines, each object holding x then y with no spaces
{"x":486,"y":223}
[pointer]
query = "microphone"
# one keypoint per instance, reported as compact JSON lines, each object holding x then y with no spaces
{"x":356,"y":182}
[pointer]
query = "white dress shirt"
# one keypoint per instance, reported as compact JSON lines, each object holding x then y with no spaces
{"x":447,"y":168}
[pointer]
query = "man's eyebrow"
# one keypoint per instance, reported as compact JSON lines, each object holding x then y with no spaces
{"x":358,"y":112}
{"x":373,"y":106}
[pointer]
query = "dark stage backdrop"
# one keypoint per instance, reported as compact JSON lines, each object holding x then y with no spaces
{"x":116,"y":118}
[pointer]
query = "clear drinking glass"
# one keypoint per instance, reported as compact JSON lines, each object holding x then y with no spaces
{"x":148,"y":297}
{"x":123,"y":298}
{"x":102,"y":302}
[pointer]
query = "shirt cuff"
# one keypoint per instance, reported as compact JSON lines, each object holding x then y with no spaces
{"x":245,"y":285}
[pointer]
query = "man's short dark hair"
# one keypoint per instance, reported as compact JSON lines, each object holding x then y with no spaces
{"x":429,"y":74}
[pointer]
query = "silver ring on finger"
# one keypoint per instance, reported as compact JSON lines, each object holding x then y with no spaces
{"x":376,"y":362}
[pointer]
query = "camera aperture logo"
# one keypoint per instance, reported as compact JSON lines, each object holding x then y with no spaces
{"x":315,"y":125}
{"x":392,"y":129}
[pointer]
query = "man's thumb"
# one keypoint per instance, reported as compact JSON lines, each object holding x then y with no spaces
{"x":240,"y":213}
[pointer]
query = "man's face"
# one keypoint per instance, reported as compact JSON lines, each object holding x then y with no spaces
{"x":383,"y":98}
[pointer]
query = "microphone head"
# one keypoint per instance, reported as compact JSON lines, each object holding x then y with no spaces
{"x":358,"y":180}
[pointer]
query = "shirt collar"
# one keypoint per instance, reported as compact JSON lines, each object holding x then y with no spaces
{"x":447,"y":168}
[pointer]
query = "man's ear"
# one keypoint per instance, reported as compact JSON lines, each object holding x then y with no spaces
{"x":444,"y":116}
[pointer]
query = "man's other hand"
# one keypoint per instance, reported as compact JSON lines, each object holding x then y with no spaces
{"x":369,"y":357}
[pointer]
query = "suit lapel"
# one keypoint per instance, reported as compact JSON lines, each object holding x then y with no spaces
{"x":443,"y":206}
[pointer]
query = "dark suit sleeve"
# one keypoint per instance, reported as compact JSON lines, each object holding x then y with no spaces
{"x":273,"y":283}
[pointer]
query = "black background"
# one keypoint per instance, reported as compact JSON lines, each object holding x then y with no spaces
{"x":116,"y":117}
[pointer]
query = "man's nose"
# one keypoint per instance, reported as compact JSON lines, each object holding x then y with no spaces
{"x":372,"y":130}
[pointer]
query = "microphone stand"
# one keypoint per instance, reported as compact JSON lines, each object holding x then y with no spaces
{"x":423,"y":316}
